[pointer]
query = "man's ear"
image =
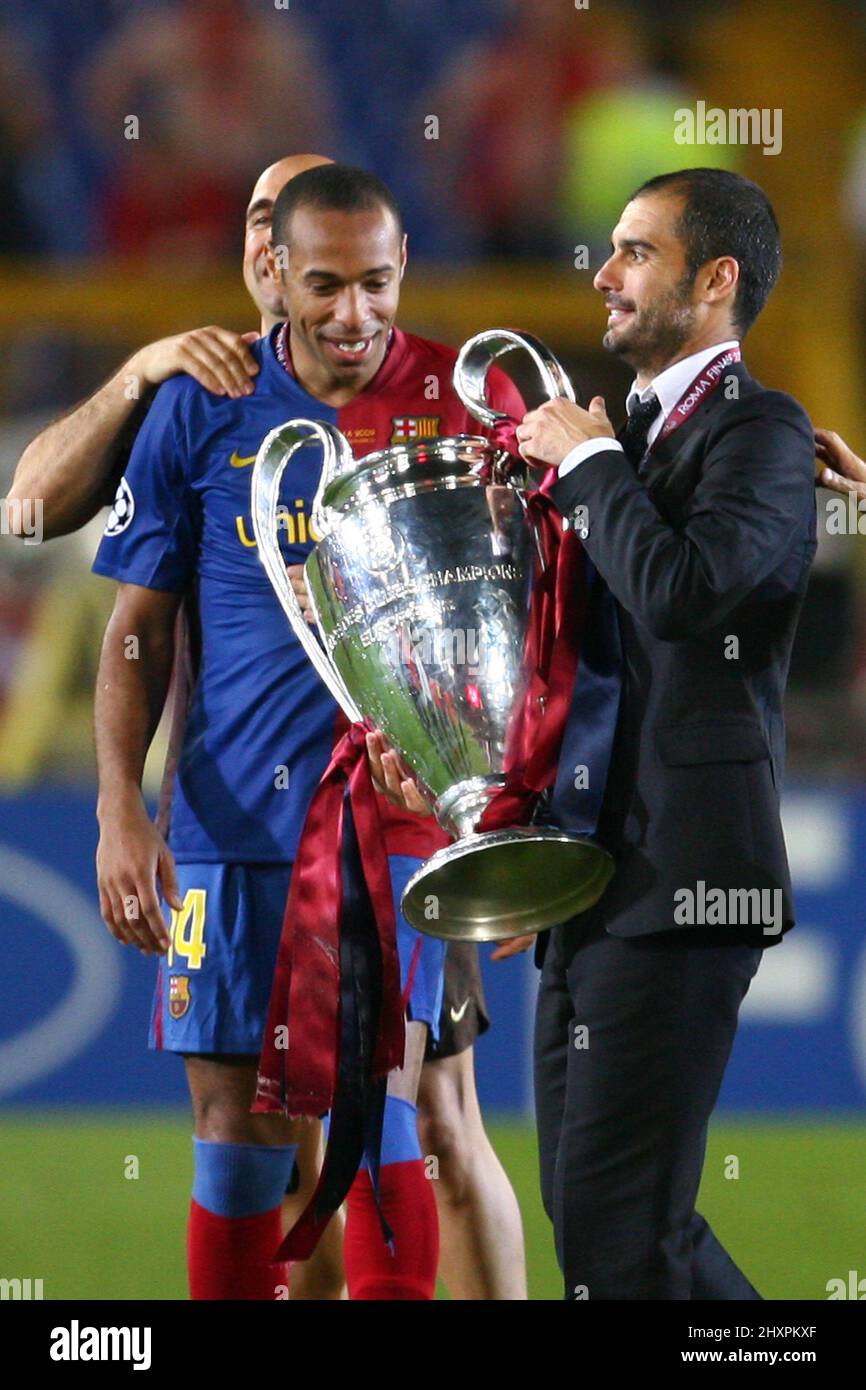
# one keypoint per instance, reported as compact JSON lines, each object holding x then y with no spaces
{"x":720,"y":279}
{"x":403,"y":255}
{"x":278,"y":259}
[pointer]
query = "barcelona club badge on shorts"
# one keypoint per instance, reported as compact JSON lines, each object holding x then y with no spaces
{"x":178,"y":995}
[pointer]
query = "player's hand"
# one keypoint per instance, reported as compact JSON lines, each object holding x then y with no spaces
{"x":515,"y":947}
{"x":132,"y":858}
{"x":841,"y":469}
{"x":299,"y":584}
{"x":218,"y":359}
{"x":391,"y":778}
{"x":547,"y":434}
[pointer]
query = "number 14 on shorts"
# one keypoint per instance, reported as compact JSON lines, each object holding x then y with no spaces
{"x":187,"y":930}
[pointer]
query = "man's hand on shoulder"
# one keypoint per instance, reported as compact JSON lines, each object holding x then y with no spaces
{"x":842,"y":470}
{"x":547,"y":435}
{"x":216,"y":358}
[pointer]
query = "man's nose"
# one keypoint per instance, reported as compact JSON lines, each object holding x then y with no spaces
{"x":605,"y":279}
{"x":351,"y":306}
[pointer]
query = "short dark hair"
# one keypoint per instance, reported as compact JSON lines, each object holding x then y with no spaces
{"x":333,"y":188}
{"x":725,"y":214}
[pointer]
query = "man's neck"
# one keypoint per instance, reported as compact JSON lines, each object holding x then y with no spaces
{"x":318,"y":383}
{"x":645,"y":375}
{"x":313,"y":388}
{"x":334,"y":396}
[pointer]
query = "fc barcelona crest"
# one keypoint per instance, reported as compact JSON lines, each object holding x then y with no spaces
{"x":178,"y":995}
{"x":408,"y":427}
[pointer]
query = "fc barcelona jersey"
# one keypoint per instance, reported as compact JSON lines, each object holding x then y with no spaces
{"x":261,"y":724}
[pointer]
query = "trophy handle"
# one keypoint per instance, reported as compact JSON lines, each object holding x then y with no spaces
{"x":272,"y":459}
{"x":479,"y":353}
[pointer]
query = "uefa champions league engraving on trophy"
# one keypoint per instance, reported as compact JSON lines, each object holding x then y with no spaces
{"x":420,"y":585}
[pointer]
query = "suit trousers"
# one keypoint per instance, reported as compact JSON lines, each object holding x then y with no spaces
{"x":632,"y":1039}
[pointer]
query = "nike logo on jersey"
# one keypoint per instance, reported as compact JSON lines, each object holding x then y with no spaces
{"x":457,"y":1014}
{"x":237,"y":462}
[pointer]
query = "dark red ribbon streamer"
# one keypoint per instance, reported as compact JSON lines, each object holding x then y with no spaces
{"x":299,"y":1079}
{"x":551,"y":656}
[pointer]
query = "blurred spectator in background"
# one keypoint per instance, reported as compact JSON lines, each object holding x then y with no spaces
{"x":189,"y":100}
{"x":853,"y":200}
{"x":20,"y":127}
{"x":545,"y":130}
{"x":382,"y":53}
{"x":37,"y":173}
{"x":501,"y":109}
{"x":622,"y":132}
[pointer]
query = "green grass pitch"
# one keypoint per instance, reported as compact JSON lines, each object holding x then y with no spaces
{"x":794,"y":1218}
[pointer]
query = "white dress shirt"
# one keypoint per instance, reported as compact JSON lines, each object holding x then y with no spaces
{"x":669,"y":386}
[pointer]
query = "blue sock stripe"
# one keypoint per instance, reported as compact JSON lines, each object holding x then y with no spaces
{"x":400,"y":1131}
{"x":241,"y":1179}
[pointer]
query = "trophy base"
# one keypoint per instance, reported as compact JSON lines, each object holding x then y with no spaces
{"x":504,"y":883}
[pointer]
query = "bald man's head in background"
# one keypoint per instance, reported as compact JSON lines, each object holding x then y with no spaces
{"x":257,"y":277}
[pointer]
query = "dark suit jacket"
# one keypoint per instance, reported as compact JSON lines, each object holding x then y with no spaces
{"x":707,"y":555}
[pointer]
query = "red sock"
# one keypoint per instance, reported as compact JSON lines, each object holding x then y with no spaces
{"x":409,"y":1207}
{"x":230,"y":1256}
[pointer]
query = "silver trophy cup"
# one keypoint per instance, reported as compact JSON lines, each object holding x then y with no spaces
{"x":420,"y":585}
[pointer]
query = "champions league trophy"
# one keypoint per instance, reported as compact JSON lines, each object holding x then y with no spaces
{"x":420,"y":585}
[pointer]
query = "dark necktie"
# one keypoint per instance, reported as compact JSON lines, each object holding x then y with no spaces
{"x":634,"y":436}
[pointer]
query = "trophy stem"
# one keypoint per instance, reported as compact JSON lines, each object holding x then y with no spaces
{"x":460,"y":808}
{"x":506,"y":883}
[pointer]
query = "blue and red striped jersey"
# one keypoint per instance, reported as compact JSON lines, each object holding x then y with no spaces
{"x":261,"y":725}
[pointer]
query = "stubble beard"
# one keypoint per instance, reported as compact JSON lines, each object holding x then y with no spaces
{"x":657,"y":333}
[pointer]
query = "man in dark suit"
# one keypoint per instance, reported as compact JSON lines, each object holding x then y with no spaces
{"x":701,"y":519}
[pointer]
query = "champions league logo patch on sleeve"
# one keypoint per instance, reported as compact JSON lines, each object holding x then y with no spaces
{"x":122,"y":512}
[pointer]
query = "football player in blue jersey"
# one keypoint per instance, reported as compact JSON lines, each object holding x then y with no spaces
{"x":260,"y":729}
{"x":70,"y":466}
{"x":74,"y":466}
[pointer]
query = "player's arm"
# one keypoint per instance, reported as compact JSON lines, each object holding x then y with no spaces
{"x":72,"y":466}
{"x":131,"y":687}
{"x":151,"y":550}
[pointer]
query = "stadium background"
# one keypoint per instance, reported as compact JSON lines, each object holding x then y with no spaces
{"x":113,"y":233}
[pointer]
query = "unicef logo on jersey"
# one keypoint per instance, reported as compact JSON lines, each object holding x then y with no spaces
{"x":122,"y":512}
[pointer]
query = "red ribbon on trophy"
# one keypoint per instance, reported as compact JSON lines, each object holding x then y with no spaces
{"x":551,"y":655}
